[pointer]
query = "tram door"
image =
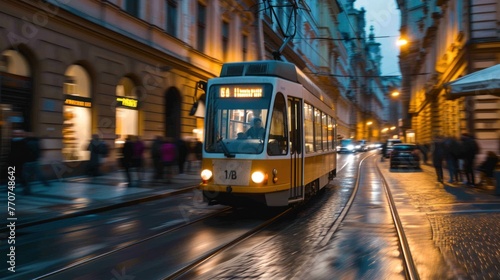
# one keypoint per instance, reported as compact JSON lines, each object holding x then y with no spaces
{"x":295,"y":108}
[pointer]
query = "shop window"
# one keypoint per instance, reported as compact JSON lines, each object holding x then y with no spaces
{"x":127,"y":116}
{"x":77,"y":114}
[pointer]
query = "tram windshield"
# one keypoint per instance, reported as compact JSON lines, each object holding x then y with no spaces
{"x":236,"y":118}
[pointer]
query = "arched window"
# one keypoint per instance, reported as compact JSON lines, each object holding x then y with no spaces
{"x":127,"y":116}
{"x":77,"y":113}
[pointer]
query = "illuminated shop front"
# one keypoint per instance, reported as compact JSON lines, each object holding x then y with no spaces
{"x":77,"y":114}
{"x":127,"y":115}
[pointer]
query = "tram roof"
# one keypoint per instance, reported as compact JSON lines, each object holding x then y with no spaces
{"x":284,"y":70}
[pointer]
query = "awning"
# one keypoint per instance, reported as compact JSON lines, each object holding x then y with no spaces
{"x":482,"y":82}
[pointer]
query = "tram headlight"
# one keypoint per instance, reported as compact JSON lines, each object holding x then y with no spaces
{"x":258,"y":177}
{"x":206,"y":174}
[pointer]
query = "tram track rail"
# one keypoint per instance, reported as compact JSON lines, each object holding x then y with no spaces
{"x":129,"y":245}
{"x":409,"y":264}
{"x":410,"y":269}
{"x":234,"y":242}
{"x":168,"y":234}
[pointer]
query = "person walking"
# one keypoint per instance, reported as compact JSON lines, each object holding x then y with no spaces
{"x":138,"y":158}
{"x":470,"y":150}
{"x":32,"y":166}
{"x":383,"y":151}
{"x":182,"y":152}
{"x":94,"y":147}
{"x":157,"y":158}
{"x":128,"y":154}
{"x":487,"y":167}
{"x":451,"y":153}
{"x":198,"y":149}
{"x":437,"y":157}
{"x":16,"y":160}
{"x":424,"y":149}
{"x":168,"y":155}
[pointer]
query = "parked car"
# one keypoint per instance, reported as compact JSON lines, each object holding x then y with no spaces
{"x":405,"y":154}
{"x":390,"y":143}
{"x":347,"y":146}
{"x":362,"y":145}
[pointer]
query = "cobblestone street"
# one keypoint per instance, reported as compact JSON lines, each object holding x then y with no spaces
{"x":464,"y":221}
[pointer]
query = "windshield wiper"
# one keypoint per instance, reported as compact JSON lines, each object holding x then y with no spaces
{"x":224,"y":148}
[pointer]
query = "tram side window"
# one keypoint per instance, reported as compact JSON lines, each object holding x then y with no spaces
{"x":309,"y":127}
{"x":325,"y":136}
{"x":317,"y":130}
{"x":278,"y":140}
{"x":331,"y":133}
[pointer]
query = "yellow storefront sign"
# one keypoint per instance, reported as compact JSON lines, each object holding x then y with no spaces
{"x":74,"y":102}
{"x":127,"y":102}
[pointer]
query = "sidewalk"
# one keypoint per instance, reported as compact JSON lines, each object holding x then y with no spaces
{"x":77,"y":196}
{"x":479,"y":188}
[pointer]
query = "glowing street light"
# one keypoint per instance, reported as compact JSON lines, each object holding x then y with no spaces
{"x":395,"y":93}
{"x":402,"y":42}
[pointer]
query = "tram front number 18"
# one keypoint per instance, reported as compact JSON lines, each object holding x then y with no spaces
{"x":231,"y":174}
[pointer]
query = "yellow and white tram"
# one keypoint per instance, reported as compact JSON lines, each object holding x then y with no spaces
{"x":290,"y":157}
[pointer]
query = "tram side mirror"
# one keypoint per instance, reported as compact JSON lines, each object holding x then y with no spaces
{"x":202,"y":85}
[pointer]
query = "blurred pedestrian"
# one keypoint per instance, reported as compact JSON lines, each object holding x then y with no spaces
{"x":157,"y":158}
{"x":487,"y":167}
{"x":182,"y":152}
{"x":32,"y":167}
{"x":138,"y":157}
{"x":168,"y":155}
{"x":199,"y":150}
{"x":451,"y":153}
{"x":127,"y":162}
{"x":424,"y":149}
{"x":437,"y":157}
{"x":94,"y":147}
{"x":16,"y":160}
{"x":470,"y":150}
{"x":191,"y":157}
{"x":383,"y":151}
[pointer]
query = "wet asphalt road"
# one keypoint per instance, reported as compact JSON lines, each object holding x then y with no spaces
{"x":453,"y":233}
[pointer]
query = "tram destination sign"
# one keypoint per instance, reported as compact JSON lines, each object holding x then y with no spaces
{"x":238,"y":91}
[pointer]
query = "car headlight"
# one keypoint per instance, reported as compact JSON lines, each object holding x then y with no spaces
{"x":258,"y":177}
{"x":206,"y":174}
{"x":350,"y":147}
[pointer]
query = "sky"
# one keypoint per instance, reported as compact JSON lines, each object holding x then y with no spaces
{"x":385,"y":18}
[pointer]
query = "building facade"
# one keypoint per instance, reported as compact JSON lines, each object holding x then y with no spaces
{"x":70,"y":69}
{"x":447,"y":40}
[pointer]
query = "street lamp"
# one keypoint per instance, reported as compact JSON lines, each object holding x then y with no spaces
{"x":369,"y":131}
{"x":402,"y":42}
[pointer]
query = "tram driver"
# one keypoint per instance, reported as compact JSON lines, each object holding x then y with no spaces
{"x":256,"y":131}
